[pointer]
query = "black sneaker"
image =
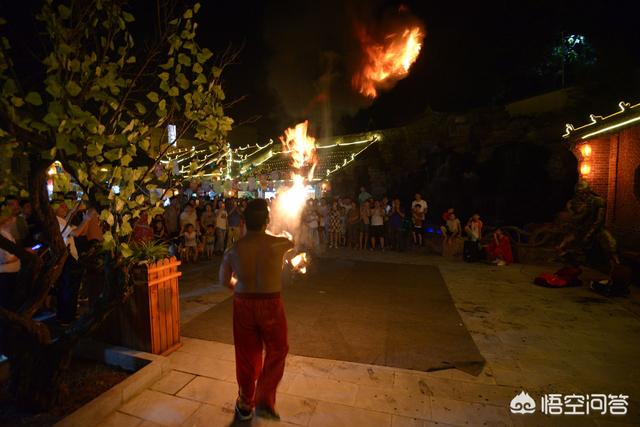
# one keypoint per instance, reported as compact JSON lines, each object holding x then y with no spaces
{"x":243,"y":414}
{"x":267,"y":413}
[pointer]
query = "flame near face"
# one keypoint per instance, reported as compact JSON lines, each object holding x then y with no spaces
{"x":387,"y":61}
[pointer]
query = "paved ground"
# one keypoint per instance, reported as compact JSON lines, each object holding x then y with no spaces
{"x":534,"y":339}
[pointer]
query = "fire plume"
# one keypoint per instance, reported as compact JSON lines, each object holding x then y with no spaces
{"x":301,"y":146}
{"x":388,"y":61}
{"x":288,"y":206}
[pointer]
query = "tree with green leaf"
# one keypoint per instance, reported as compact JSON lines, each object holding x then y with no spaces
{"x":94,"y":106}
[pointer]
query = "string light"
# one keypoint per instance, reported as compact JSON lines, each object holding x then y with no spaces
{"x":623,"y":108}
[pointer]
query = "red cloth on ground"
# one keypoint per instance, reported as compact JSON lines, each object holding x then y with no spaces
{"x":259,"y":320}
{"x":501,"y":249}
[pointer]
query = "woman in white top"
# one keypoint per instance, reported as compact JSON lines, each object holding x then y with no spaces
{"x":9,"y":263}
{"x":377,"y":225}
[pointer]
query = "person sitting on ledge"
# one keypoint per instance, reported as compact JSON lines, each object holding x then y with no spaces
{"x":499,"y":250}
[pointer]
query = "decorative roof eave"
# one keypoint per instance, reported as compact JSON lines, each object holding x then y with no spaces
{"x":627,"y":115}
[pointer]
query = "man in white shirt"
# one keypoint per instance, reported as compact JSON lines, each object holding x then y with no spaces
{"x":421,"y":203}
{"x":69,"y":281}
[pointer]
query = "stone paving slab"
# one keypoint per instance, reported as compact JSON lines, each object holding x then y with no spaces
{"x":537,"y":339}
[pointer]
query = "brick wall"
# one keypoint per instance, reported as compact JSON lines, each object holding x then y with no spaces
{"x":626,"y":216}
{"x":613,"y":162}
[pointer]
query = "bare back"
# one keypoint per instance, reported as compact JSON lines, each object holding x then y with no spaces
{"x":256,"y":260}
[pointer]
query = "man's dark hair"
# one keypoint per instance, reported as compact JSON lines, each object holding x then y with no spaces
{"x":256,"y":214}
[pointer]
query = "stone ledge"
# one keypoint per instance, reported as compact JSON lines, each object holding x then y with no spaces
{"x":148,"y":368}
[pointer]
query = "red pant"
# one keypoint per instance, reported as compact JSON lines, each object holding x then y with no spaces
{"x":259,"y":320}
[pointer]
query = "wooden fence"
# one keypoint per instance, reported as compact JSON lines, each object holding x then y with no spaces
{"x":150,"y":318}
{"x":164,"y":305}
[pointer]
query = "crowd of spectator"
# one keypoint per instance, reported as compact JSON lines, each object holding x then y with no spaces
{"x":200,"y":227}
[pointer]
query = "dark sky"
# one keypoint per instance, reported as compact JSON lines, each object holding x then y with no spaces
{"x":475,"y":54}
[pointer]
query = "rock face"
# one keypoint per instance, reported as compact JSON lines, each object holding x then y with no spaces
{"x":511,"y":168}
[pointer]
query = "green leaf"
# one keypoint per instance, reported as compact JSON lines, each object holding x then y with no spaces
{"x":107,"y":241}
{"x":144,"y":144}
{"x":64,"y":11}
{"x":127,"y":16}
{"x":184,"y":59}
{"x":113,"y":154}
{"x":18,"y":102}
{"x":125,"y":250}
{"x":182,"y":81}
{"x":94,"y":149}
{"x":33,"y":98}
{"x":164,"y":75}
{"x":174,"y":91}
{"x":204,"y":55}
{"x":141,"y":108}
{"x":63,"y":142}
{"x":196,"y":7}
{"x":188,"y":14}
{"x":153,"y":97}
{"x":126,"y":159}
{"x":197,"y":68}
{"x":73,"y":88}
{"x":107,"y":216}
{"x":168,"y":65}
{"x":51,"y":119}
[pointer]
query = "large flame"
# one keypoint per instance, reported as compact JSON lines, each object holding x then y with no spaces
{"x":388,"y":61}
{"x":301,"y":146}
{"x":288,"y":206}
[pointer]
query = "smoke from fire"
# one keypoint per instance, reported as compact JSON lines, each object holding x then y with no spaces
{"x":317,"y":52}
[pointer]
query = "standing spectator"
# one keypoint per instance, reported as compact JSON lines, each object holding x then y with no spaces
{"x":13,"y":208}
{"x":395,"y":224}
{"x":323,"y":221}
{"x":172,"y":217}
{"x":364,"y":195}
{"x":353,"y":225}
{"x":418,"y":201}
{"x":342,"y":240}
{"x":9,"y":264}
{"x":311,"y":221}
{"x":188,"y":216}
{"x":159,"y":230}
{"x":207,"y":217}
{"x":24,"y":224}
{"x":417,"y":217}
{"x":334,"y":225}
{"x":69,"y":282}
{"x":142,"y":231}
{"x":221,"y":227}
{"x":445,"y":216}
{"x":235,"y":223}
{"x":365,"y":221}
{"x":377,"y":225}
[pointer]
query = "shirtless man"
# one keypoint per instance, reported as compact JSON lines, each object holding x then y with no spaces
{"x":252,"y":268}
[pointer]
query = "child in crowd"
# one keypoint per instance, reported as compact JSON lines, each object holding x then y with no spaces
{"x":342,"y":241}
{"x":417,"y":217}
{"x":210,"y":241}
{"x":190,"y":243}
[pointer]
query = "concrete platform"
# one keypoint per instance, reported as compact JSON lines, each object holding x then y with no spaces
{"x":534,"y":339}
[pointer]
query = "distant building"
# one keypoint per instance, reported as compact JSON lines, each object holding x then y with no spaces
{"x":608,"y":153}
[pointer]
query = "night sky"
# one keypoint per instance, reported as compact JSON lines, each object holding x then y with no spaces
{"x":475,"y":54}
